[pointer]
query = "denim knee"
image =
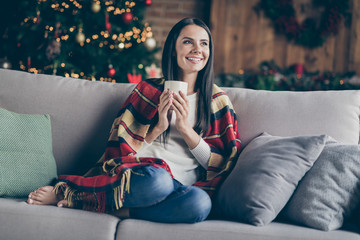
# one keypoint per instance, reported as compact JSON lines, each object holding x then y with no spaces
{"x":148,"y":185}
{"x":187,"y":204}
{"x":201,"y":205}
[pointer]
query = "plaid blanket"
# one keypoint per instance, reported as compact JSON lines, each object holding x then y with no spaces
{"x":103,"y":189}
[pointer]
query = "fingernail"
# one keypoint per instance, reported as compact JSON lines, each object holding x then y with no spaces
{"x":31,"y":201}
{"x":60,"y":205}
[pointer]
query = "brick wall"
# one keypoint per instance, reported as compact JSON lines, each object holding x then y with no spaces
{"x":163,"y":14}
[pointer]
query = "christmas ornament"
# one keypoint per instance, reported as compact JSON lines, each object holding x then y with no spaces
{"x":153,"y":71}
{"x":95,"y":7}
{"x":133,"y":78}
{"x":121,"y":46}
{"x":53,"y":50}
{"x":37,"y":17}
{"x":4,"y":63}
{"x":111,"y":72}
{"x":299,"y":69}
{"x":127,"y":17}
{"x":80,"y":36}
{"x":107,"y":23}
{"x":150,"y":44}
{"x":29,"y":62}
{"x":311,"y":33}
{"x":147,"y":2}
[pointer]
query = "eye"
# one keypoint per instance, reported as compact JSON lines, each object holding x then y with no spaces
{"x":205,"y":43}
{"x":187,"y":42}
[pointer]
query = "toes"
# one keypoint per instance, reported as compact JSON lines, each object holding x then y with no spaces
{"x":33,"y":202}
{"x":64,"y":203}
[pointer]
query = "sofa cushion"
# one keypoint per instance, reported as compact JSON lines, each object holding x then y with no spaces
{"x":131,"y":229}
{"x":284,"y":113}
{"x":329,"y":191}
{"x":19,"y":220}
{"x":26,"y":158}
{"x":265,"y":176}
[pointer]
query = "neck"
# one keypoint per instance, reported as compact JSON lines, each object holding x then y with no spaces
{"x":190,"y":78}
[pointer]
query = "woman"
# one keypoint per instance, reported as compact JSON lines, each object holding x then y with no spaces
{"x":167,"y":152}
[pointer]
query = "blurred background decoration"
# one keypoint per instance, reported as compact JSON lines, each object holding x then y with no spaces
{"x":272,"y":77}
{"x":91,"y":39}
{"x":298,"y":45}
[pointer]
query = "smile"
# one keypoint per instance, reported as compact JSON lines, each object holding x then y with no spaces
{"x":194,"y":59}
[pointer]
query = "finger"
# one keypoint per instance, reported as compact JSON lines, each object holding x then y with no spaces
{"x":183,"y":102}
{"x":179,"y":108}
{"x":182,"y":94}
{"x":164,"y":94}
{"x":165,"y":98}
{"x":166,"y":104}
{"x":181,"y":98}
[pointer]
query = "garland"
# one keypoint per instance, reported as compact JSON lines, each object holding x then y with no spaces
{"x":310,"y":33}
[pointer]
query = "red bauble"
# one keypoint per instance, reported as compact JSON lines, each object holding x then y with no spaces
{"x":111,"y":72}
{"x":148,"y":2}
{"x":127,"y":17}
{"x":108,"y":26}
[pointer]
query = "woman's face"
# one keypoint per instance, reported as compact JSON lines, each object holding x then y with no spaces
{"x":192,"y":49}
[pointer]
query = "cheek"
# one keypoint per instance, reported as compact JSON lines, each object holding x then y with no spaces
{"x":207,"y":55}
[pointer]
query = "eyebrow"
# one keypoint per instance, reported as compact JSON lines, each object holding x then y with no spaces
{"x":202,"y":40}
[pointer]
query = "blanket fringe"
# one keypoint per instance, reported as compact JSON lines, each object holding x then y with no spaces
{"x":61,"y":188}
{"x":119,"y":191}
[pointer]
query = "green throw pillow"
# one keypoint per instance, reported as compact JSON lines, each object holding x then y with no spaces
{"x":26,"y":157}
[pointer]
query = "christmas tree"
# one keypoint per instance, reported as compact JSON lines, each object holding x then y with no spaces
{"x":92,"y":39}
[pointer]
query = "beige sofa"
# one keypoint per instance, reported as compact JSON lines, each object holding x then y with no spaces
{"x":81,"y":115}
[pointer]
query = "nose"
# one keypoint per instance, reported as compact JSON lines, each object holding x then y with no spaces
{"x":196,"y":48}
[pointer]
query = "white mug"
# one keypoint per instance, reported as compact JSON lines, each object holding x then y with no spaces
{"x":176,"y":86}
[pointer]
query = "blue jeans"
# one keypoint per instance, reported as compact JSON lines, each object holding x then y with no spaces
{"x":156,"y":196}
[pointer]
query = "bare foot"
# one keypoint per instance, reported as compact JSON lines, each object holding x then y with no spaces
{"x":43,"y":196}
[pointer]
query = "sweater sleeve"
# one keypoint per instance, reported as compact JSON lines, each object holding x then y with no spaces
{"x":202,"y":153}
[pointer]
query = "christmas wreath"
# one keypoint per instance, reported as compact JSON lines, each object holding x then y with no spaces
{"x":311,"y":33}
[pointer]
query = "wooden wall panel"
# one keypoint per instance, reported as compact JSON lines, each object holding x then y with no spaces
{"x":243,"y":39}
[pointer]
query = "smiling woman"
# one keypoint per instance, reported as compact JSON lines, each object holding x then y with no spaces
{"x":192,"y":51}
{"x":167,"y":152}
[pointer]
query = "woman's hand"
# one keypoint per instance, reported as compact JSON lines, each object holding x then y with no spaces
{"x":166,"y":100}
{"x":181,"y":108}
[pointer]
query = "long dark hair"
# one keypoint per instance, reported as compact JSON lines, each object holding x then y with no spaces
{"x":205,"y":79}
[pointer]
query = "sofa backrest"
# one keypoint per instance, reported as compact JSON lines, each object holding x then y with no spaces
{"x":82,"y":113}
{"x":285,"y":113}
